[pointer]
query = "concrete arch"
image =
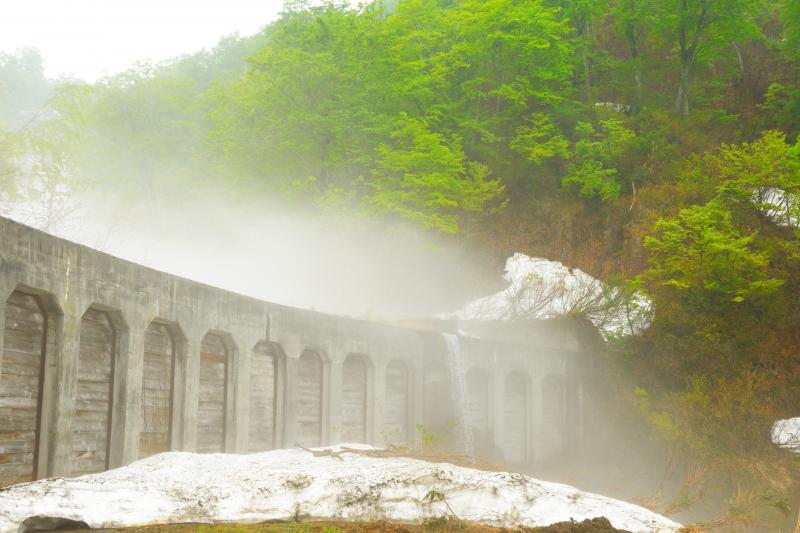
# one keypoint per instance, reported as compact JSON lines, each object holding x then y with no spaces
{"x":267,"y":378}
{"x":217,"y":351}
{"x":311,"y":402}
{"x":22,"y":387}
{"x":163,"y":359}
{"x":357,"y":383}
{"x":93,"y":415}
{"x":398,"y":408}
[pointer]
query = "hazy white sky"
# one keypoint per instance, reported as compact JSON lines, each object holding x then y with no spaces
{"x":91,"y":38}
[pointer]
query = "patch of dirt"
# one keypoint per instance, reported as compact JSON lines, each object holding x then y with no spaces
{"x":596,"y":525}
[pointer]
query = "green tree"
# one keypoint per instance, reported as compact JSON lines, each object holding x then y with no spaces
{"x":633,"y":19}
{"x":426,"y":177}
{"x":791,"y":27}
{"x":701,"y":31}
{"x":516,"y":60}
{"x":596,"y":155}
{"x":539,"y":140}
{"x":582,"y":15}
{"x":311,"y":106}
{"x":703,"y":256}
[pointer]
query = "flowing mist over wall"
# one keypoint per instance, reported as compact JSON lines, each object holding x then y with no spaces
{"x":338,"y":263}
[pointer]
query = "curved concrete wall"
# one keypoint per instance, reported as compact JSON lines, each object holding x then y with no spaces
{"x":176,"y":343}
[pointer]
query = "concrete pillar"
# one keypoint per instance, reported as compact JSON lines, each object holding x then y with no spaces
{"x":334,"y":408}
{"x":491,"y":405}
{"x":241,"y":391}
{"x":241,"y":394}
{"x":127,"y":402}
{"x":232,"y":403}
{"x":280,"y":400}
{"x":533,"y":414}
{"x":5,"y":294}
{"x":187,"y":388}
{"x":290,"y":403}
{"x":376,"y":401}
{"x":498,"y":412}
{"x":58,"y":400}
{"x":416,"y":408}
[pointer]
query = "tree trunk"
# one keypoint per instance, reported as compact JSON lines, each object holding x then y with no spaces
{"x":682,"y":98}
{"x":586,"y":73}
{"x":740,"y":58}
{"x":633,"y":48}
{"x":583,"y":28}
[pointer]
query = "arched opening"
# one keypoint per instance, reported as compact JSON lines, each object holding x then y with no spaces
{"x":212,"y":395}
{"x":354,"y":399}
{"x":158,"y":389}
{"x":515,"y":427}
{"x":477,"y":409}
{"x":309,"y":399}
{"x":395,"y":419}
{"x":91,"y":423}
{"x":263,"y":396}
{"x":21,"y":379}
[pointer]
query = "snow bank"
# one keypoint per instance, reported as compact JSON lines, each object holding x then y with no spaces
{"x":296,"y":485}
{"x":782,"y":207}
{"x":541,"y":289}
{"x":786,"y":433}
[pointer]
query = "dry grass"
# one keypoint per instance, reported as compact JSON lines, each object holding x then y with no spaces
{"x":423,"y":453}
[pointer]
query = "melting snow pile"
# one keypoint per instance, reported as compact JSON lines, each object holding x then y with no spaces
{"x":782,"y":207}
{"x":297,"y":485}
{"x":541,"y":289}
{"x":786,"y":433}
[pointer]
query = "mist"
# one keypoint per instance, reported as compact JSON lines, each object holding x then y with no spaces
{"x":341,"y":263}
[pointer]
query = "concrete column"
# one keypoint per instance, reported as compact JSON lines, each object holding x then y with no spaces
{"x":241,"y":391}
{"x":241,"y":394}
{"x":334,"y":395}
{"x":58,"y":401}
{"x":280,"y":401}
{"x":126,"y":417}
{"x":5,"y":294}
{"x":187,"y":389}
{"x":533,"y":415}
{"x":498,"y":412}
{"x":232,"y":403}
{"x":491,"y":404}
{"x":376,"y":402}
{"x":290,"y":402}
{"x":416,"y":400}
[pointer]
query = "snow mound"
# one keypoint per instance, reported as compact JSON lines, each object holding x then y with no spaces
{"x":786,"y":433}
{"x":295,"y":484}
{"x":782,"y":207}
{"x":541,"y":289}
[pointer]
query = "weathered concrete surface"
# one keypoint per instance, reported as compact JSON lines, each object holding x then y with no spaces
{"x":170,"y":339}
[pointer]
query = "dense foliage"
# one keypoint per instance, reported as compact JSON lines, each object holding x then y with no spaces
{"x":653,"y":141}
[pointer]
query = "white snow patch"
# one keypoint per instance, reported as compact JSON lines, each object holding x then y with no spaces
{"x":294,"y":484}
{"x":786,"y":433}
{"x":541,"y":289}
{"x":780,"y":206}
